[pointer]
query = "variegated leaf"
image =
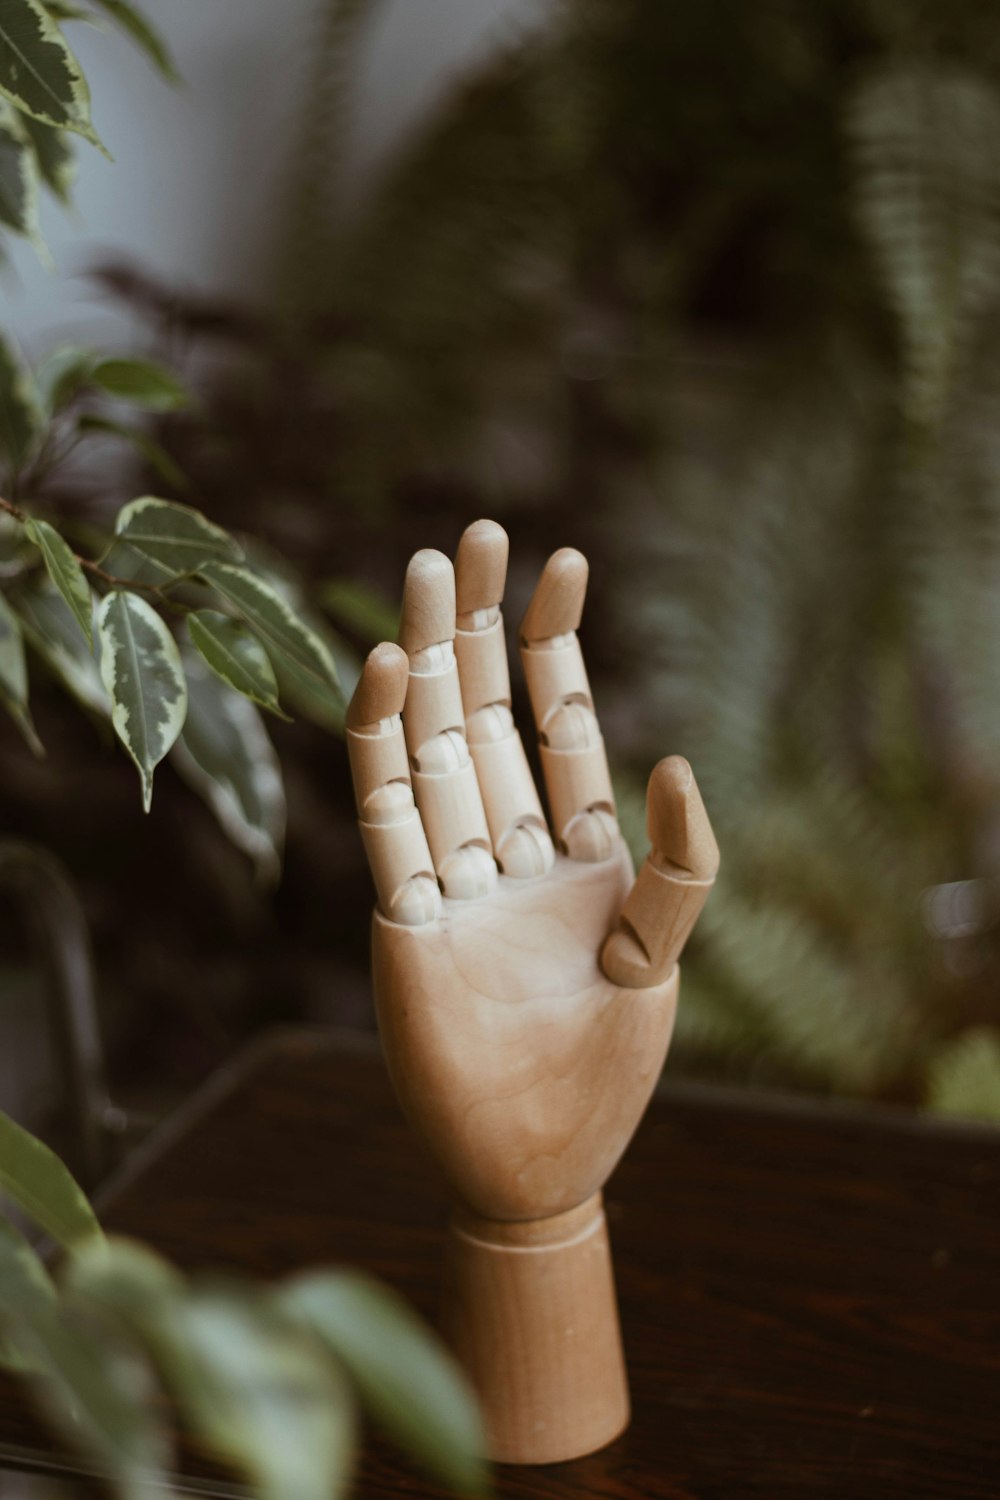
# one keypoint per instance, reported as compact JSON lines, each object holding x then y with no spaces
{"x":53,"y":154}
{"x":236,"y":656}
{"x":18,"y":184}
{"x":141,"y":669}
{"x":296,"y":652}
{"x":65,"y":572}
{"x":38,"y":72}
{"x":166,"y":540}
{"x":226,"y":757}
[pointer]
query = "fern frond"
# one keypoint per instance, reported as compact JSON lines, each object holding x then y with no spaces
{"x":926,"y":183}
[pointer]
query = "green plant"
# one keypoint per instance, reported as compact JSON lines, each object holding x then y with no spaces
{"x":714,"y":292}
{"x":45,"y":102}
{"x":268,"y":1379}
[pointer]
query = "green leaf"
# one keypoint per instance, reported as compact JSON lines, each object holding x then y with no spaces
{"x":51,"y":630}
{"x":124,"y":1276}
{"x":14,"y":676}
{"x":257,"y":1394}
{"x":172,"y":541}
{"x":18,"y":194}
{"x":53,"y":154}
{"x":20,"y":415}
{"x":236,"y":656}
{"x":38,"y":72}
{"x":362,"y":609}
{"x":153,"y":452}
{"x":26,"y":1291}
{"x":296,"y":652}
{"x":62,"y":373}
{"x":65,"y":572}
{"x":135,"y":25}
{"x":35,"y":1178}
{"x":62,"y":10}
{"x":226,"y":757}
{"x":141,"y":669}
{"x":964,"y":1077}
{"x":101,"y":1396}
{"x":140,"y":382}
{"x":25,"y":1285}
{"x":411,"y":1386}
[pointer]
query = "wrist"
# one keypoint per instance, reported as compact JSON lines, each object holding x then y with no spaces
{"x":532,"y":1316}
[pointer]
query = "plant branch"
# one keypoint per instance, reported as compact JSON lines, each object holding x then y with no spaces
{"x":111,"y":579}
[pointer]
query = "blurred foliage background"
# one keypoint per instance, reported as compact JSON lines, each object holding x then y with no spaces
{"x":711,"y":293}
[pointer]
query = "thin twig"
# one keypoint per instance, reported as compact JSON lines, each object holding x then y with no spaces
{"x":111,"y":579}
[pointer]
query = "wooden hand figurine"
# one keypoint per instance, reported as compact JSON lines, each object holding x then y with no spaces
{"x":525,"y":986}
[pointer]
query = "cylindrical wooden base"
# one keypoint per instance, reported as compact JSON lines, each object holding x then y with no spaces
{"x":531,"y":1314}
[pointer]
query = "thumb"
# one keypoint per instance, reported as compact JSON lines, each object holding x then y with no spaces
{"x":673,"y":884}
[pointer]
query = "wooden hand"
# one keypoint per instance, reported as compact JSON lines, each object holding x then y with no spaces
{"x":525,"y":986}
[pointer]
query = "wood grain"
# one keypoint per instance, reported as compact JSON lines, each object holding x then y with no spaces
{"x":810,"y":1299}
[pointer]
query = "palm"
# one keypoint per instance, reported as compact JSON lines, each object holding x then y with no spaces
{"x":523,"y":1064}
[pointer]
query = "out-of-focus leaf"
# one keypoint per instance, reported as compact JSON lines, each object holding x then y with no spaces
{"x":14,"y":676}
{"x":361,"y":608}
{"x":153,"y":452}
{"x":34,"y":1177}
{"x":926,"y":183}
{"x":123,"y":1275}
{"x":171,"y":540}
{"x":141,"y":383}
{"x":236,"y":656}
{"x":20,"y":417}
{"x":38,"y":72}
{"x":411,"y":1386}
{"x":258,"y":1394}
{"x":53,"y":154}
{"x":297,"y":653}
{"x":62,"y":10}
{"x":65,"y":572}
{"x":101,"y":1397}
{"x":226,"y":757}
{"x":63,"y":373}
{"x":134,"y":24}
{"x":51,"y":630}
{"x":141,"y":669}
{"x":26,"y":1291}
{"x":964,"y":1077}
{"x":18,"y":191}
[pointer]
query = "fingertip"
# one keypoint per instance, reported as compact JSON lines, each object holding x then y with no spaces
{"x":428,"y":602}
{"x":556,"y":607}
{"x":381,"y":689}
{"x":677,"y":822}
{"x":481,"y":567}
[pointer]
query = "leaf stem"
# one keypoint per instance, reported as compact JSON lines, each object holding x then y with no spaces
{"x":111,"y":579}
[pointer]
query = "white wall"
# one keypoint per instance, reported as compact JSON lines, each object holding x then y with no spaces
{"x":193,"y":190}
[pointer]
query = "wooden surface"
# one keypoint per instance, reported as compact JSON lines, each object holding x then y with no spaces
{"x":810,"y":1299}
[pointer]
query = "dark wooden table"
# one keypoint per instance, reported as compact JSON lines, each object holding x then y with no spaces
{"x":810,"y":1296}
